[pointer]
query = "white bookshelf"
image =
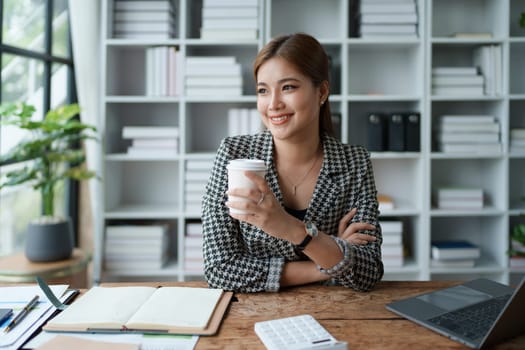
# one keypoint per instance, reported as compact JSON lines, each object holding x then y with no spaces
{"x":368,"y":75}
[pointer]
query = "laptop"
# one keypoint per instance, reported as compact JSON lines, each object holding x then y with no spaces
{"x":478,"y":313}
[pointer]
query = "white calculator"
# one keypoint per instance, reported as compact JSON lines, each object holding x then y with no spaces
{"x":297,"y":332}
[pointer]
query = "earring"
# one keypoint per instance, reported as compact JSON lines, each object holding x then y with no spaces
{"x":322,"y":102}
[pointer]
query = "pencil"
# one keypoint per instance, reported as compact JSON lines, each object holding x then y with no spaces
{"x":20,"y":316}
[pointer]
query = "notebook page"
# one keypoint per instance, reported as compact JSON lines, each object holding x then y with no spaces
{"x":104,"y":306}
{"x":172,"y":307}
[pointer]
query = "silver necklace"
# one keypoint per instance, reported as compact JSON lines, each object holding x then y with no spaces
{"x":294,"y":186}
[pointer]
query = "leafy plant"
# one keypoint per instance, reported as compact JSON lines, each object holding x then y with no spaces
{"x":52,"y":147}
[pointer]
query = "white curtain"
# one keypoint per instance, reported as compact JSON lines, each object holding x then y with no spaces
{"x":85,"y":33}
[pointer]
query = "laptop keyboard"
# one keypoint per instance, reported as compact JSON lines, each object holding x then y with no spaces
{"x":472,"y":321}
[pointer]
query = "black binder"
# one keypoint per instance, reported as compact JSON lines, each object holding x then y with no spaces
{"x":412,"y":132}
{"x":396,"y":132}
{"x":376,"y":132}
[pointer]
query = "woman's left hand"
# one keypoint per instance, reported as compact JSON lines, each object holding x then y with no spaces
{"x":350,"y":231}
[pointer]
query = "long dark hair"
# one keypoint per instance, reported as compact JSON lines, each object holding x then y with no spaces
{"x":307,"y":55}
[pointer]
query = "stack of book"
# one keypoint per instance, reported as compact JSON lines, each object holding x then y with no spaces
{"x":141,"y":19}
{"x":517,"y":140}
{"x":459,"y":198}
{"x":244,"y":121}
{"x":132,"y":247}
{"x":230,"y":19}
{"x":392,"y":247}
{"x":152,"y":141}
{"x":163,"y":71}
{"x":386,"y":202}
{"x":454,"y":254}
{"x":468,"y":134}
{"x":193,"y":258}
{"x":488,"y":59}
{"x":457,"y":81}
{"x":212,"y":76}
{"x":395,"y":18}
{"x":197,"y":173}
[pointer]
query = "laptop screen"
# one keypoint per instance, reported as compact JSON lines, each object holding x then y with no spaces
{"x":454,"y":298}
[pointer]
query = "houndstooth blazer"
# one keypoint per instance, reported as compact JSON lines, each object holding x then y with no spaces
{"x":241,"y":257}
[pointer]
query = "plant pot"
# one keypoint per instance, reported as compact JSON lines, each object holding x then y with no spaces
{"x":49,"y":239}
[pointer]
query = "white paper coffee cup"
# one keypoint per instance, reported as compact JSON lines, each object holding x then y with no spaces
{"x":237,"y":179}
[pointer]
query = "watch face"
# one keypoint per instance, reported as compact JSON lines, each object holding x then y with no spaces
{"x":311,"y":229}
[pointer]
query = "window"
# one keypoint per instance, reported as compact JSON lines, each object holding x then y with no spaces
{"x":36,"y":68}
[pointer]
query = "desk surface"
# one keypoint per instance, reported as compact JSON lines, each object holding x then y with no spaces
{"x":360,"y":319}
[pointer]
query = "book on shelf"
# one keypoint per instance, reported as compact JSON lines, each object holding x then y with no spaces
{"x":144,"y":27}
{"x":470,"y":119}
{"x":229,"y":3}
{"x":387,"y":29}
{"x":458,"y":90}
{"x":385,"y":202}
{"x":460,"y":198}
{"x":450,"y":264}
{"x":472,"y":35}
{"x":396,"y":132}
{"x":142,"y":16}
{"x":467,"y":137}
{"x":454,"y":250}
{"x":230,"y":23}
{"x":488,"y":59}
{"x":455,"y":71}
{"x":391,"y":226}
{"x":388,"y":18}
{"x":153,"y":152}
{"x":491,"y":127}
{"x":517,"y":134}
{"x":412,"y":131}
{"x":194,"y":228}
{"x":214,"y":91}
{"x":471,"y":148}
{"x":377,"y":132}
{"x":172,"y":310}
{"x":204,"y":81}
{"x":143,"y":5}
{"x":244,"y":121}
{"x":146,"y":142}
{"x":210,"y":69}
{"x":388,"y":7}
{"x":392,"y":238}
{"x":460,"y":192}
{"x":199,"y":164}
{"x":132,"y":132}
{"x":391,"y":250}
{"x":457,"y":80}
{"x":233,"y":34}
{"x":229,"y":12}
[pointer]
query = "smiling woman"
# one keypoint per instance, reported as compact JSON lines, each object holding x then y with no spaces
{"x":313,"y":216}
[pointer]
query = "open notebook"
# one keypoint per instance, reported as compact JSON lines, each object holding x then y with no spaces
{"x":178,"y":310}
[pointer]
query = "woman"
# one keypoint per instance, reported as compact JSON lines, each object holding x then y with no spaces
{"x":313,"y":218}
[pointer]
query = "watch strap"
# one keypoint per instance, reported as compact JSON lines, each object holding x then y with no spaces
{"x":301,"y":246}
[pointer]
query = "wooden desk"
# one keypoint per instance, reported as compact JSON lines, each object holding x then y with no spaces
{"x":17,"y":269}
{"x":360,"y":319}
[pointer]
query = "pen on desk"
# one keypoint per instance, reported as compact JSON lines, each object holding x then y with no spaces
{"x":20,"y":316}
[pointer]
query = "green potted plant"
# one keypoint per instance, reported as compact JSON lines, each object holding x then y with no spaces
{"x":53,"y":157}
{"x":517,"y":240}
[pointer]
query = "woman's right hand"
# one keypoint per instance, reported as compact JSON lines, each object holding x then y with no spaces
{"x":350,"y":231}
